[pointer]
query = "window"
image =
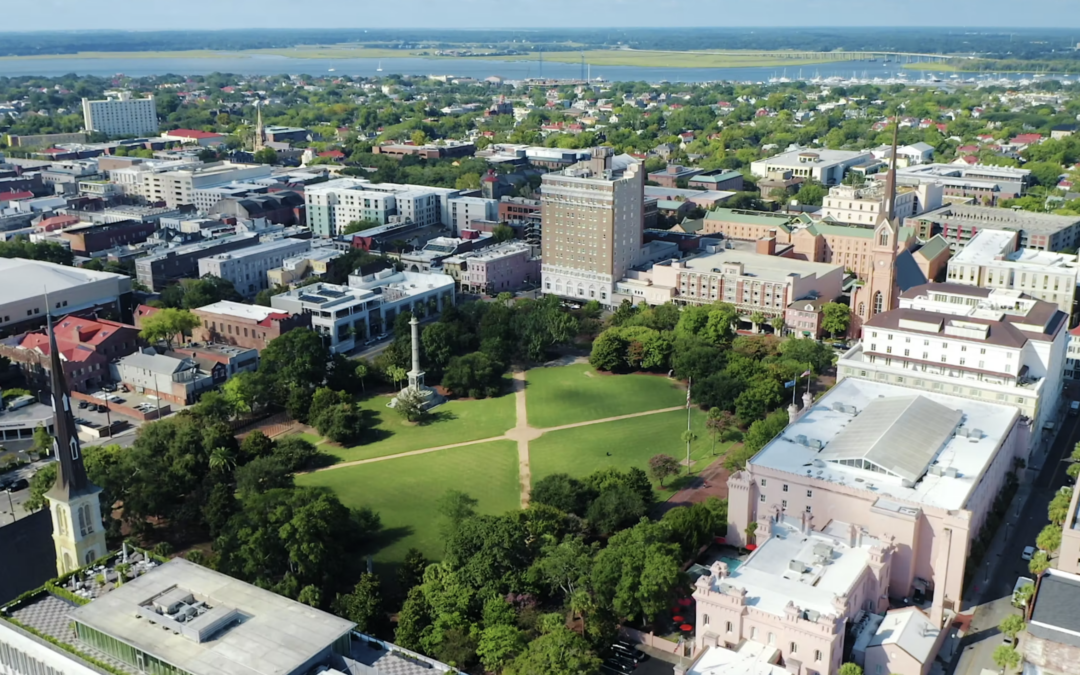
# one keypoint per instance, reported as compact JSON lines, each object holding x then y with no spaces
{"x":810,"y":493}
{"x":793,"y":648}
{"x":785,"y":487}
{"x":817,"y":655}
{"x":879,"y":302}
{"x":762,"y":498}
{"x":753,"y":633}
{"x":729,"y":626}
{"x":762,"y":482}
{"x":808,"y":508}
{"x":783,"y":504}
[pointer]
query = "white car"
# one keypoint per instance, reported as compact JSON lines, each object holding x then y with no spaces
{"x":1028,"y":552}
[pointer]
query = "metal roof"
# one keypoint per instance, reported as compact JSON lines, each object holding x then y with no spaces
{"x":901,"y":435}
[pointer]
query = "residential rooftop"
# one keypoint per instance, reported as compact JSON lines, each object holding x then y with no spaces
{"x":948,"y":442}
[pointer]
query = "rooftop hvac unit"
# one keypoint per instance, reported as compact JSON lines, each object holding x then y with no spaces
{"x":976,"y":434}
{"x":952,"y":472}
{"x":801,"y":439}
{"x":815,"y":444}
{"x":796,"y":566}
{"x":839,"y":407}
{"x":962,"y":432}
{"x":935,"y":470}
{"x":819,"y":463}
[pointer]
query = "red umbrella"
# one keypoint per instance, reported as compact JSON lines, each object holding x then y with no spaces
{"x":686,"y":628}
{"x":685,"y":602}
{"x":720,"y":540}
{"x":677,"y":619}
{"x":751,"y":547}
{"x":676,"y":610}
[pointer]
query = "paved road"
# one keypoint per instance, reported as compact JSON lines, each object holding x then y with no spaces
{"x":994,"y":583}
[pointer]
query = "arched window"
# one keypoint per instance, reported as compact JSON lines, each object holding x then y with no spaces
{"x":879,"y":302}
{"x":862,"y":309}
{"x":883,"y":240}
{"x":67,"y":562}
{"x":89,"y":557}
{"x":89,"y":518}
{"x":82,"y":522}
{"x":62,"y":520}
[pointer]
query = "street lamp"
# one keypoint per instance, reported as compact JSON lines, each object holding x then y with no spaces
{"x":11,"y":504}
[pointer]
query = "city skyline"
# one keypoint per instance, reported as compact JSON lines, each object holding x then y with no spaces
{"x":268,"y":14}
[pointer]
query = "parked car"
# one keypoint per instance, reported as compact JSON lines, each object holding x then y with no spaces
{"x":17,"y":484}
{"x":1029,"y":551}
{"x":1074,"y":408}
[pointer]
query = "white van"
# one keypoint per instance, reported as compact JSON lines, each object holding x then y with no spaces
{"x":1074,"y":408}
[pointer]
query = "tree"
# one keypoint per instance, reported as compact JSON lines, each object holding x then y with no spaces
{"x":1039,"y":563}
{"x":355,"y":226}
{"x":1049,"y":539}
{"x":811,"y":193}
{"x":609,"y":351}
{"x":499,"y":645}
{"x":411,"y":571}
{"x":615,"y":508}
{"x":502,"y":232}
{"x":455,"y":507}
{"x":1011,"y":625}
{"x":265,"y":156}
{"x":296,"y":360}
{"x":561,"y":491}
{"x":1058,"y":510}
{"x":1073,"y":471}
{"x":410,"y":405}
{"x":396,"y":374}
{"x":166,"y":324}
{"x":560,"y":652}
{"x":663,"y":466}
{"x":363,"y":605}
{"x":850,"y":669}
{"x":835,"y":317}
{"x":222,"y":460}
{"x":43,"y":441}
{"x":475,"y":375}
{"x":262,"y":475}
{"x":1005,"y":657}
{"x":718,"y":422}
{"x":757,"y":318}
{"x":778,"y":324}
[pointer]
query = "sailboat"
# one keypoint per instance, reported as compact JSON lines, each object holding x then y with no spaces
{"x":379,"y":69}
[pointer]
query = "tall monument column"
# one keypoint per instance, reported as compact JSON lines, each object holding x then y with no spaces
{"x":416,"y":376}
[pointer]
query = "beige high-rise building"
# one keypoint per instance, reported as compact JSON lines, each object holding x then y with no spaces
{"x":592,"y":225}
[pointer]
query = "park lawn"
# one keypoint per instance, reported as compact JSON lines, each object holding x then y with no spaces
{"x":452,"y":422}
{"x":577,"y":393}
{"x":314,"y":439}
{"x":404,"y":492}
{"x":582,"y":450}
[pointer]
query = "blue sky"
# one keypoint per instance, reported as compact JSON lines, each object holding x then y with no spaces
{"x":166,"y":14}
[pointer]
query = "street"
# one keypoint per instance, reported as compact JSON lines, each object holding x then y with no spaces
{"x":993,"y":585}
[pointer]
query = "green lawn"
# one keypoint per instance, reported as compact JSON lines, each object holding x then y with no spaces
{"x":582,"y":450}
{"x":453,"y":422}
{"x":405,"y":490}
{"x":569,"y":394}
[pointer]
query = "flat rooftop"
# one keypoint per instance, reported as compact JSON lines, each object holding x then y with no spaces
{"x":825,"y":157}
{"x":1055,"y":612}
{"x":243,"y":630}
{"x":23,"y":279}
{"x":673,"y":194}
{"x":952,"y":469}
{"x":998,"y":246}
{"x":990,"y":217}
{"x":829,"y":568}
{"x":258,"y":249}
{"x":765,"y":267}
{"x":751,"y":658}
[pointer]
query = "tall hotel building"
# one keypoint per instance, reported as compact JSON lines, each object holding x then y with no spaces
{"x":592,"y":224}
{"x":121,"y":116}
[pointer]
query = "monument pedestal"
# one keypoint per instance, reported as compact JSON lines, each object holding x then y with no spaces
{"x":429,"y":398}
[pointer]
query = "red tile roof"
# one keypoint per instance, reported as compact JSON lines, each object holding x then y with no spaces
{"x":57,"y":222}
{"x":192,"y":133}
{"x":336,"y":154}
{"x":13,"y":196}
{"x":1027,"y":139}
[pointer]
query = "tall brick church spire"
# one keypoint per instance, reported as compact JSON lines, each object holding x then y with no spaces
{"x":71,"y":480}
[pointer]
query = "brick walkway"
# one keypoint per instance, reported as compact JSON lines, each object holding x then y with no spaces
{"x":711,"y":482}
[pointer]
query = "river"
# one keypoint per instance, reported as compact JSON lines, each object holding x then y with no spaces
{"x":261,"y":64}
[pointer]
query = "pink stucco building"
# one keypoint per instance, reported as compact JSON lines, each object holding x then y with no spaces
{"x":504,"y":267}
{"x":895,"y":482}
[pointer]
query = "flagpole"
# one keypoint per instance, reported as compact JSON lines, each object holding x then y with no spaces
{"x":689,"y":382}
{"x":809,"y":369}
